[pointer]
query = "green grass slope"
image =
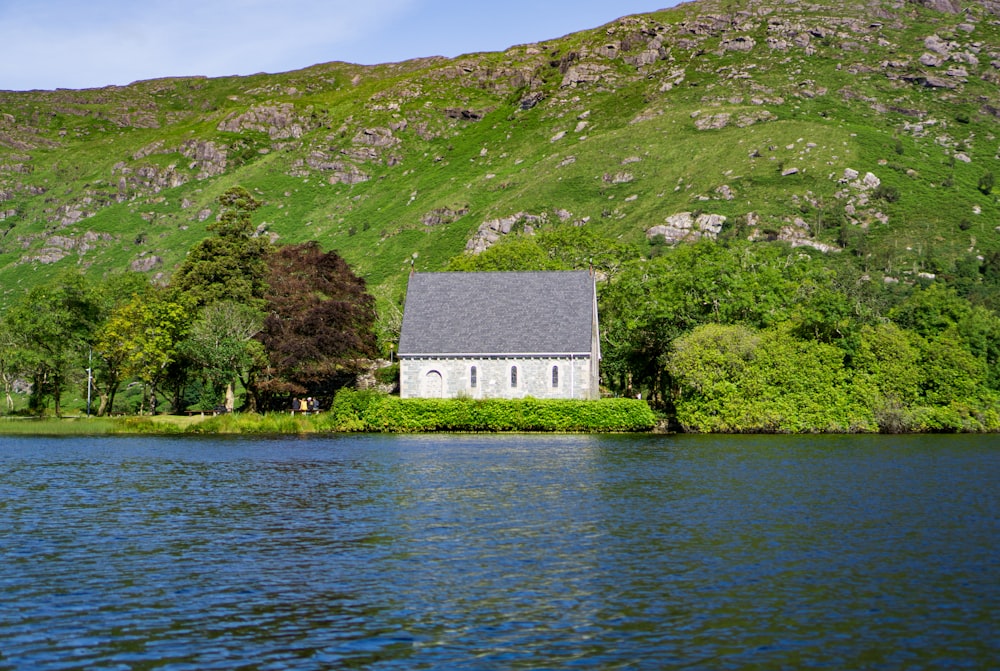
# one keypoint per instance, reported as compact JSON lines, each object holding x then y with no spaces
{"x":770,"y":114}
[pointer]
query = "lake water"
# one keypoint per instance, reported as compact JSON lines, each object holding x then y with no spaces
{"x":500,"y":552}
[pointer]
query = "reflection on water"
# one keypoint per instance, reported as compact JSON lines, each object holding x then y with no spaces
{"x":500,"y":552}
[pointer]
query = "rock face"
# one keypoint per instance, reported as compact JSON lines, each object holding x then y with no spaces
{"x":376,"y":137}
{"x":443,"y":215}
{"x":279,"y":121}
{"x":491,"y":231}
{"x":797,"y":234}
{"x":688,"y":227}
{"x":58,"y":247}
{"x":146,"y":263}
{"x":946,"y":6}
{"x":742,"y":43}
{"x":584,"y":73}
{"x":206,"y":157}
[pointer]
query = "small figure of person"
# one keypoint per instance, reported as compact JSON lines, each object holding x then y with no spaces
{"x":314,"y":404}
{"x":295,"y":405}
{"x":304,"y":406}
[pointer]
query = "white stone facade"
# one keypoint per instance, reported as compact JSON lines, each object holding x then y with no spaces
{"x":537,"y":377}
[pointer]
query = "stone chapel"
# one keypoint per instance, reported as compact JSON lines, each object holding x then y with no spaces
{"x":500,"y":335}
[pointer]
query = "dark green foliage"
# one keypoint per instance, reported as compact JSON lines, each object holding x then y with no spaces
{"x":739,"y":337}
{"x":231,"y":265}
{"x":931,"y":311}
{"x":985,"y":183}
{"x":651,"y":302}
{"x":889,"y":194}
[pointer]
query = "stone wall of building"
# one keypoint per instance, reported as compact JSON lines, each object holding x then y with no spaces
{"x":439,"y":377}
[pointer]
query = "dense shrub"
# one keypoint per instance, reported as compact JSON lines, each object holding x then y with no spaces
{"x":735,"y":379}
{"x":371,"y":411}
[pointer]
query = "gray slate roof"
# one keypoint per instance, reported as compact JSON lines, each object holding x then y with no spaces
{"x":498,"y":313}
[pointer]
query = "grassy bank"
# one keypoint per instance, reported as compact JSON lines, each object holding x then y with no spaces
{"x":373,"y":412}
{"x":94,"y":426}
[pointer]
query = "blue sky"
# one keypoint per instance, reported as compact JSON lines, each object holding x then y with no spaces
{"x":47,"y":44}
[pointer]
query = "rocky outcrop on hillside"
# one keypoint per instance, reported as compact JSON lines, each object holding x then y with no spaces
{"x":57,"y":247}
{"x":207,"y":158}
{"x":490,"y":232}
{"x":279,"y":121}
{"x":443,"y":215}
{"x":687,"y":227}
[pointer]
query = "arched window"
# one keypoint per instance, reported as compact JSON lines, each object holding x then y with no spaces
{"x":513,"y":376}
{"x":555,"y":376}
{"x":472,"y":377}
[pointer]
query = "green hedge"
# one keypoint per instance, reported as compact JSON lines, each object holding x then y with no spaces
{"x":369,"y":411}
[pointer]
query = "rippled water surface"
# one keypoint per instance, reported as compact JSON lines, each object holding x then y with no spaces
{"x":500,"y":552}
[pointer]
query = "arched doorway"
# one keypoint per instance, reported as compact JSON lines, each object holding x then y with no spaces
{"x":433,"y":385}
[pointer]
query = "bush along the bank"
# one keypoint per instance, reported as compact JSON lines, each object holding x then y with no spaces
{"x":735,"y":379}
{"x":370,"y":411}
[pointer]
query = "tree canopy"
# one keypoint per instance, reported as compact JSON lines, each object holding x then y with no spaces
{"x":232,"y":264}
{"x":320,"y":320}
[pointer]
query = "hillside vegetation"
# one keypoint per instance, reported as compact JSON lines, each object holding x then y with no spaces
{"x":861,"y":135}
{"x":701,"y":108}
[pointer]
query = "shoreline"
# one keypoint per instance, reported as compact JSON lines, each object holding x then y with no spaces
{"x":282,"y":424}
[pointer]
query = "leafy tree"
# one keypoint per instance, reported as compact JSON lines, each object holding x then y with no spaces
{"x":580,"y":248}
{"x":889,"y":358}
{"x":824,"y":315}
{"x":319,"y":326}
{"x":651,"y":302}
{"x":223,"y":346}
{"x":144,"y":335}
{"x":712,"y":356}
{"x":108,"y":364}
{"x":389,"y":320}
{"x":886,"y":365}
{"x":50,"y":329}
{"x":931,"y":310}
{"x":980,"y":330}
{"x":561,"y":248}
{"x":950,"y":372}
{"x":232,"y":264}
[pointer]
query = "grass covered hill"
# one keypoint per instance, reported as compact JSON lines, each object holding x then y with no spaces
{"x":870,"y":126}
